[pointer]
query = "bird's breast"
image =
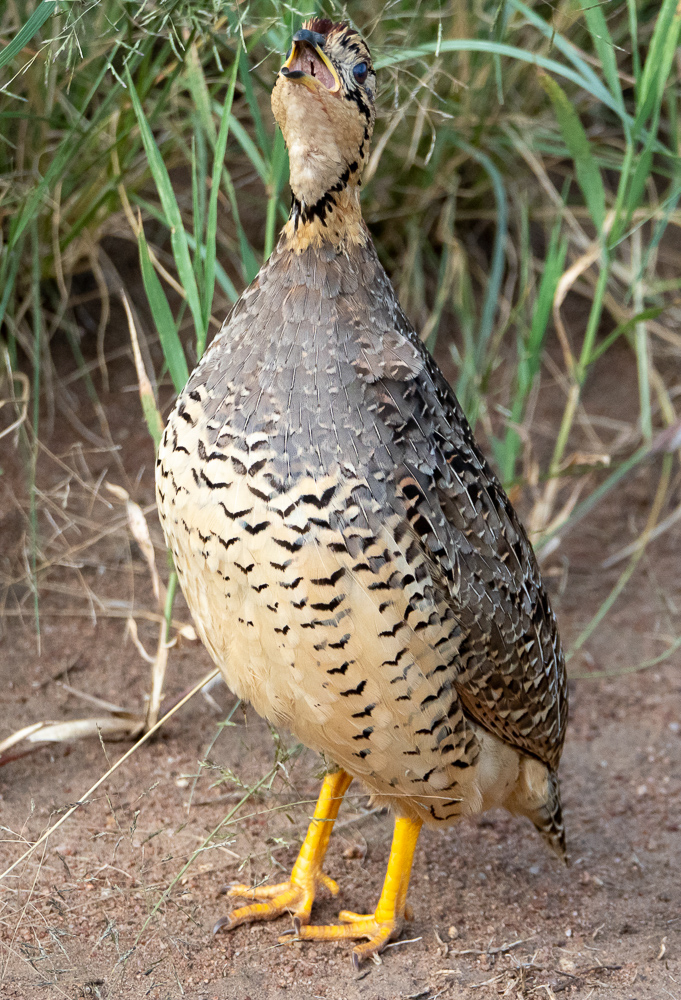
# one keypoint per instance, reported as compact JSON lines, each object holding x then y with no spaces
{"x":329,"y":599}
{"x":314,"y":610}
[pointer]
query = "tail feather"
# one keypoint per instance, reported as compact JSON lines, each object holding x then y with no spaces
{"x":537,"y":796}
{"x":548,"y":819}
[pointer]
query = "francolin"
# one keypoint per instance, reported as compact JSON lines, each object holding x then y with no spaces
{"x":351,"y":561}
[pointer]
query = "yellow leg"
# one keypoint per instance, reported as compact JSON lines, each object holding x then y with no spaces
{"x":386,"y":922}
{"x":297,"y":895}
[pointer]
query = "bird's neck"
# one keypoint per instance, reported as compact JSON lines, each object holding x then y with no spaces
{"x":335,"y":217}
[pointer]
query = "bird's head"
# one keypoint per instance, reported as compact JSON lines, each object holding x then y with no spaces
{"x":323,"y":101}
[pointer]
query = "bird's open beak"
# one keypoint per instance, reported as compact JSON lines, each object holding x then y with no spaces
{"x":307,"y":63}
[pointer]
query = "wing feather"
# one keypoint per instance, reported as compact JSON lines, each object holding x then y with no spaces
{"x":510,"y":671}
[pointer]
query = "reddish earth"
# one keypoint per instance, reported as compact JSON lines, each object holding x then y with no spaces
{"x":105,"y":908}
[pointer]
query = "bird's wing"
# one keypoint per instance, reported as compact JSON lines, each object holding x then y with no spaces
{"x":510,"y":671}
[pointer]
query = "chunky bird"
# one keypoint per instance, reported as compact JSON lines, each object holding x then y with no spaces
{"x":351,"y":561}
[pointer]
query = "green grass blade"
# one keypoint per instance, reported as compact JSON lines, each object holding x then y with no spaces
{"x":496,"y":271}
{"x":587,"y":171}
{"x":553,"y":269}
{"x":638,"y":182}
{"x":658,"y":62}
{"x":68,"y":152}
{"x":65,"y":154}
{"x":37,"y":348}
{"x":277,"y":175}
{"x":199,"y":184}
{"x":247,"y":81}
{"x":212,"y":224}
{"x":590,"y":83}
{"x":250,"y":149}
{"x":178,"y":236}
{"x":531,"y":351}
{"x":498,"y":32}
{"x":23,"y":36}
{"x":250,"y":264}
{"x":163,"y":318}
{"x":8,"y":276}
{"x":530,"y":347}
{"x":221,"y":276}
{"x":467,"y":385}
{"x":598,"y":28}
{"x":586,"y":506}
{"x":669,"y":206}
{"x":557,"y":41}
{"x":635,"y":56}
{"x":652,"y":313}
{"x":198,"y":89}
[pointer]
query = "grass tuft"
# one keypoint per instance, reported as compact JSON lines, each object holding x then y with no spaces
{"x":523,"y":190}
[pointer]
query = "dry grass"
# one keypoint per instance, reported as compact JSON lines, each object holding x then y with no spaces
{"x":484,"y":201}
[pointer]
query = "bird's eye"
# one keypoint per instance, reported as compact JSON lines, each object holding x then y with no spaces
{"x":360,"y":72}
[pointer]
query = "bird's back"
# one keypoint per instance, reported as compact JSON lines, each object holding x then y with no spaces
{"x":352,"y":563}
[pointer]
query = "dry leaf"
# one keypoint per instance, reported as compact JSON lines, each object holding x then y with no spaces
{"x":74,"y":729}
{"x":140,"y":532}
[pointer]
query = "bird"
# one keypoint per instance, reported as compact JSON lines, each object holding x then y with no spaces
{"x":351,"y":561}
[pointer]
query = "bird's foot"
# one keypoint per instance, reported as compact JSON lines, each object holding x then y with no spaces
{"x":295,"y":896}
{"x":352,"y":926}
{"x":392,"y":909}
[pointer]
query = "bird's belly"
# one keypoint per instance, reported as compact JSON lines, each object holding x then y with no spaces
{"x":318,"y":620}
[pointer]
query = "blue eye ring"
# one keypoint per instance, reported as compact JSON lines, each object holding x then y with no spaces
{"x":360,"y":72}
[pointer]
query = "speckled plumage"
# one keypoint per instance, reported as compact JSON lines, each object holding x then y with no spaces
{"x":350,"y":559}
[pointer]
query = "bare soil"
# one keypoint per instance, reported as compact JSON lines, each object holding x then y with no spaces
{"x":99,"y":911}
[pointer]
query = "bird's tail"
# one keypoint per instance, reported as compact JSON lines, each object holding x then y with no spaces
{"x":537,"y":796}
{"x":548,"y":819}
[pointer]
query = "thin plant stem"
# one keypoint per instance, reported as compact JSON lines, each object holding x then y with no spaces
{"x":170,"y":601}
{"x":37,"y":341}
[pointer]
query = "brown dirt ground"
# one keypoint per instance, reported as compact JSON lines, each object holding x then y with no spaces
{"x":494,"y":914}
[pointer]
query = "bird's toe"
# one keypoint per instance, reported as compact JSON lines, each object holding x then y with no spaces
{"x":351,"y":927}
{"x":271,"y":901}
